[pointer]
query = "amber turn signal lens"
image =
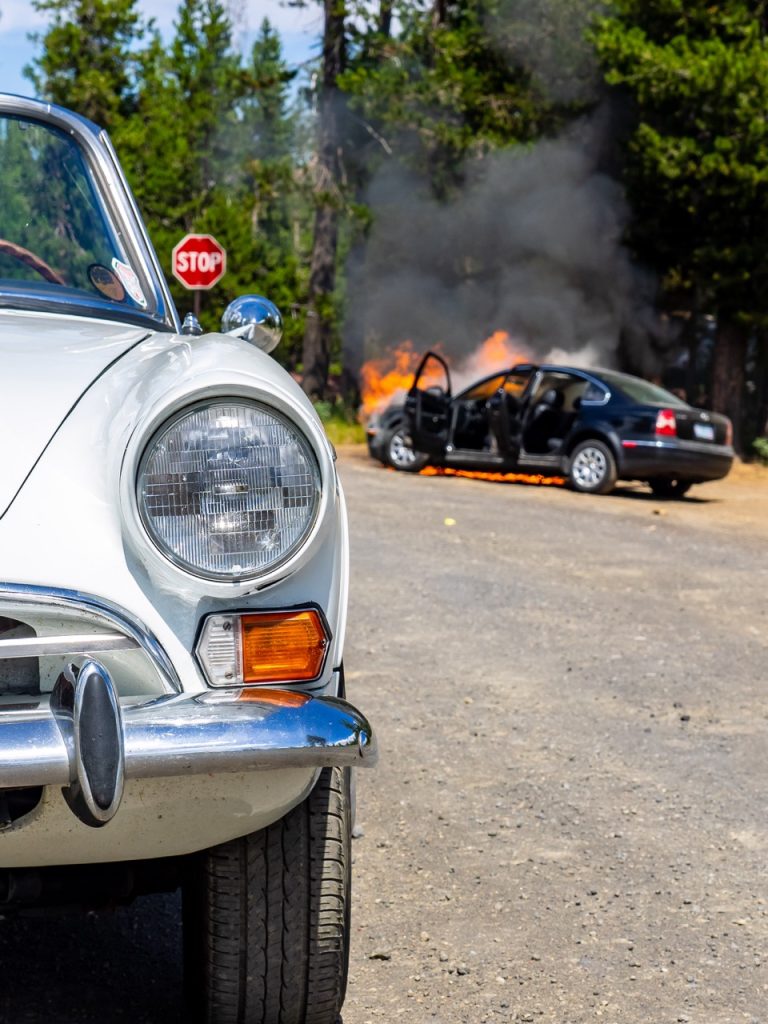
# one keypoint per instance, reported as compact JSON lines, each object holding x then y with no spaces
{"x":282,"y":646}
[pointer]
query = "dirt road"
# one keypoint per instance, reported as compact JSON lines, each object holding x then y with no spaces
{"x":570,"y":820}
{"x":569,"y":823}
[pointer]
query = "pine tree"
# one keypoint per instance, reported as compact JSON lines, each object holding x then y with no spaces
{"x":180,"y":151}
{"x":88,"y":57}
{"x":277,"y":189}
{"x":445,"y":88}
{"x":695,"y":76}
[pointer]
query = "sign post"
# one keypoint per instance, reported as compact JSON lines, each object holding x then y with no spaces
{"x":198,"y":262}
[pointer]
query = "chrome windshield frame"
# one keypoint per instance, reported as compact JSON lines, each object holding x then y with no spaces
{"x":119,"y":201}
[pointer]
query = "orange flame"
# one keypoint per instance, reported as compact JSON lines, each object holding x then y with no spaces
{"x":496,"y":478}
{"x":382,"y":379}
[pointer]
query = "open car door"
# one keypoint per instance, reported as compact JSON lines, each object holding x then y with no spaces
{"x":428,"y":405}
{"x":505,"y":412}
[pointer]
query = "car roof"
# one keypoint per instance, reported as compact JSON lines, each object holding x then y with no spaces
{"x":593,"y":375}
{"x":559,"y":368}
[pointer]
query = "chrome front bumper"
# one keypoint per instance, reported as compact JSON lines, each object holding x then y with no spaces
{"x":85,"y":742}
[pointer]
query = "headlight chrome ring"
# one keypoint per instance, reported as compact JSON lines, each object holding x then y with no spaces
{"x":228,"y":489}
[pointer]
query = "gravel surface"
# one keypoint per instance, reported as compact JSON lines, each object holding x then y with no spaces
{"x":569,"y":819}
{"x":568,"y":823}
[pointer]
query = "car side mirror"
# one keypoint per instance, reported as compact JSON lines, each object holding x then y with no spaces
{"x":255,"y":319}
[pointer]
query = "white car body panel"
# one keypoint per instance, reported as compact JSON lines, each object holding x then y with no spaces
{"x":67,"y":528}
{"x":157,"y":818}
{"x":48,"y":362}
{"x":86,"y":384}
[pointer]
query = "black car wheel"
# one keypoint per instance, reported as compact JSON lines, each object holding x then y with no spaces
{"x":266,"y":918}
{"x":592,"y":468}
{"x":399,"y":454}
{"x":665,"y":488}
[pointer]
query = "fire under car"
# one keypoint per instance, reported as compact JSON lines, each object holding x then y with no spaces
{"x":592,"y":426}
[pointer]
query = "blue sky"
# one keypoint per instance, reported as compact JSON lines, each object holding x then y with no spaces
{"x":299,"y":29}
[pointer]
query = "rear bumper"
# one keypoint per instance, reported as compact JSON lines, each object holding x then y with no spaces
{"x":683,"y":460}
{"x":86,"y":743}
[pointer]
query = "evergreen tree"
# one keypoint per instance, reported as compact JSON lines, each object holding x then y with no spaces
{"x":180,"y":150}
{"x":87,"y":62}
{"x":277,"y":188}
{"x":445,"y":88}
{"x":696,"y":77}
{"x":211,"y":150}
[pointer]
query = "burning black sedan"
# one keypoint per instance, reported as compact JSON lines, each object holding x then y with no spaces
{"x":592,"y":426}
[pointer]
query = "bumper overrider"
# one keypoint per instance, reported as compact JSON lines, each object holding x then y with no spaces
{"x":85,"y":742}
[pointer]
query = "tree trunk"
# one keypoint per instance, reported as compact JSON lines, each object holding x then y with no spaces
{"x":385,"y":18}
{"x":355,"y":320}
{"x":320,"y":329}
{"x":762,"y":401}
{"x":728,"y":375}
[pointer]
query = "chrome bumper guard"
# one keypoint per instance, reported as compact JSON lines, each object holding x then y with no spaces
{"x":88,"y":744}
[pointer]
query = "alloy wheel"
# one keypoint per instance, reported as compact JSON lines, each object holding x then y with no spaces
{"x":589,"y":468}
{"x":401,"y":454}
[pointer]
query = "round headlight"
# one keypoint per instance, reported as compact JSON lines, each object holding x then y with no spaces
{"x":228,"y":490}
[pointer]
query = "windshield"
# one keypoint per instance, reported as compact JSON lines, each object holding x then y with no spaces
{"x":642,"y":391}
{"x":58,"y":241}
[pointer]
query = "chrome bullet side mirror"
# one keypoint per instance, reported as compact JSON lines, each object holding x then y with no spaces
{"x":255,"y":319}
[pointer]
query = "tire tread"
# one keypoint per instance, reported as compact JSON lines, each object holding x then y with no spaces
{"x":266,"y":918}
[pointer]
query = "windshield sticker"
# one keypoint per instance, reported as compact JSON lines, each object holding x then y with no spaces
{"x":104,"y":281}
{"x":130,"y":282}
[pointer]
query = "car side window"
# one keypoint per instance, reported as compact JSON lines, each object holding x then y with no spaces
{"x":595,"y":393}
{"x":516,"y":383}
{"x":484,"y":389}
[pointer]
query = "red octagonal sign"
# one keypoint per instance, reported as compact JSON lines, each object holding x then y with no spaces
{"x":199,"y":261}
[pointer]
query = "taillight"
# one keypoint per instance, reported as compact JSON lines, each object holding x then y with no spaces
{"x":728,"y":432}
{"x":666,"y":424}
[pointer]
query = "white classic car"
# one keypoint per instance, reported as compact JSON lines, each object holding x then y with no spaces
{"x":174,"y":566}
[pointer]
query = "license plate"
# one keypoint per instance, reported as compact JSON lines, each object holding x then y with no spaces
{"x":704,"y":431}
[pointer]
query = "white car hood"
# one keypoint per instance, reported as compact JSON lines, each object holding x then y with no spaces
{"x":47,"y":362}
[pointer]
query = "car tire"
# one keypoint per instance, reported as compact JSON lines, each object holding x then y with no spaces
{"x":399,"y":454}
{"x":266,"y":917}
{"x":592,"y":468}
{"x":666,"y":488}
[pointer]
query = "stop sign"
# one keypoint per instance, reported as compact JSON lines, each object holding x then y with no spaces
{"x":199,"y":261}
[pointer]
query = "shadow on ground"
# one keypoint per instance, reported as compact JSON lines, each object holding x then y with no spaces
{"x":101,"y":968}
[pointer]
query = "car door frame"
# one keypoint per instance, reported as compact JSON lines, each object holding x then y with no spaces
{"x":507,"y":426}
{"x":556,"y":458}
{"x":428,"y":417}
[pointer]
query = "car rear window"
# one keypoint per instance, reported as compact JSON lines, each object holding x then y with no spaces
{"x":642,"y":391}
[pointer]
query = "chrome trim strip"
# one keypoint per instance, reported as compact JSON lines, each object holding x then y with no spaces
{"x":80,"y":643}
{"x":681,"y":445}
{"x":114,"y":615}
{"x":170,"y":306}
{"x":195,"y":734}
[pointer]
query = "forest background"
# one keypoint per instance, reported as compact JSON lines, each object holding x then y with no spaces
{"x":589,"y":176}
